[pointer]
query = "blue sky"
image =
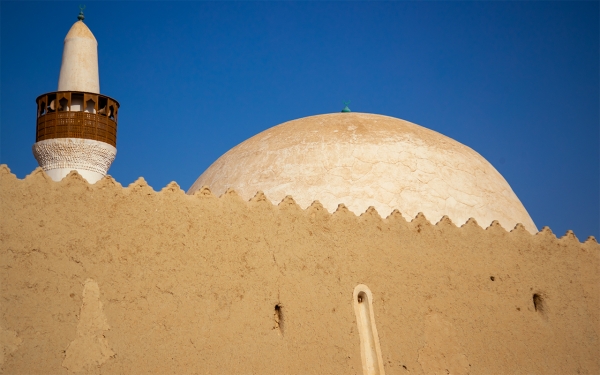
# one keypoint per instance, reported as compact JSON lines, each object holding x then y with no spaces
{"x":516,"y":81}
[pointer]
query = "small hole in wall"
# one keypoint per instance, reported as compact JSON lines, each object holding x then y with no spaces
{"x":492,"y":278}
{"x":538,"y":302}
{"x":278,"y":316}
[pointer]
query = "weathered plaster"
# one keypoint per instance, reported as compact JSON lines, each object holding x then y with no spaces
{"x":90,"y":347}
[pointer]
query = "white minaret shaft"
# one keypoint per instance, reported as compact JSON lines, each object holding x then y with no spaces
{"x":79,"y":68}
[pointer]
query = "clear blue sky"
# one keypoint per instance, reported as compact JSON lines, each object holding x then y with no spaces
{"x":516,"y":81}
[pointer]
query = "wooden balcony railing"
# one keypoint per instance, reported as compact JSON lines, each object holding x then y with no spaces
{"x":66,"y":114}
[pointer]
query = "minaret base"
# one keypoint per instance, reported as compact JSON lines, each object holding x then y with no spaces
{"x":60,"y":173}
{"x":59,"y":156}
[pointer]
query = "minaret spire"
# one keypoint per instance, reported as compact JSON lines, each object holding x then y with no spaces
{"x":79,"y":67}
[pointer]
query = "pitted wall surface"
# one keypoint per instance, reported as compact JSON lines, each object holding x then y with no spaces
{"x":147,"y":282}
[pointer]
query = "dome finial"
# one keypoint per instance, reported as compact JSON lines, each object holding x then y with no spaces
{"x":346,"y":109}
{"x":81,"y":17}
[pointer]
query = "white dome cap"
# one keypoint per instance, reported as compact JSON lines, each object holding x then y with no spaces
{"x":364,"y":160}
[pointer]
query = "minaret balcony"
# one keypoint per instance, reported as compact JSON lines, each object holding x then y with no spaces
{"x":74,"y":114}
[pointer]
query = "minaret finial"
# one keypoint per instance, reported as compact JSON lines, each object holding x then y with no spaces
{"x":81,"y":17}
{"x":346,"y":109}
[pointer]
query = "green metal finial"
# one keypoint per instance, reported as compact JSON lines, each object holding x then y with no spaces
{"x":81,"y":17}
{"x":346,"y":109}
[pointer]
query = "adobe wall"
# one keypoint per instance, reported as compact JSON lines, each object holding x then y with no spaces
{"x":109,"y":280}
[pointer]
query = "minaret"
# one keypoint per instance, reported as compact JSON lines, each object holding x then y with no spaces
{"x":76,"y":125}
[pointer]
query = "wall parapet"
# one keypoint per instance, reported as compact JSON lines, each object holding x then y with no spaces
{"x":141,"y":187}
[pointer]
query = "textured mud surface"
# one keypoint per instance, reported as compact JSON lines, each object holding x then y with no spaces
{"x":101,"y":279}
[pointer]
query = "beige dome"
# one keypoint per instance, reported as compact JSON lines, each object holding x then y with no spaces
{"x":365,"y":160}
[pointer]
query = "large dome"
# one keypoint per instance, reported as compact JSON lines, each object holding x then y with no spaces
{"x":365,"y":160}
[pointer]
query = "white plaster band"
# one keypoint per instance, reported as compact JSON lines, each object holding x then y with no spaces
{"x":74,"y":154}
{"x":370,"y":349}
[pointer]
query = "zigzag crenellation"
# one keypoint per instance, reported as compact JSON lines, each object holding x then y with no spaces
{"x":172,"y":188}
{"x":74,"y":179}
{"x":471,"y":223}
{"x":288,"y":204}
{"x":370,"y":215}
{"x":396,"y":215}
{"x":445,"y":222}
{"x":420,"y":218}
{"x":496,"y":227}
{"x":4,"y":170}
{"x":569,"y":236}
{"x":546,"y":232}
{"x":204,"y":192}
{"x":259,"y":197}
{"x":108,"y":182}
{"x":342,"y":212}
{"x":38,"y":174}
